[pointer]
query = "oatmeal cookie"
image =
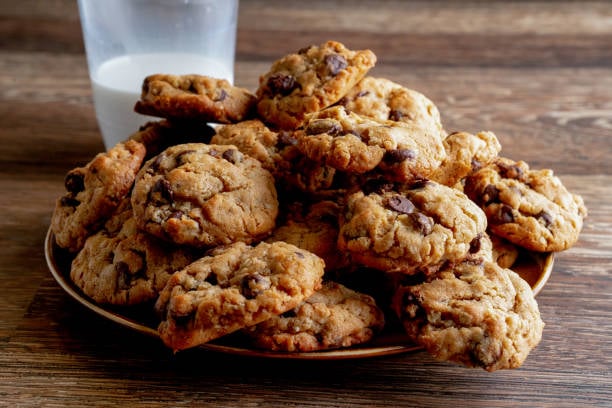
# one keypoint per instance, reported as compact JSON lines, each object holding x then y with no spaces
{"x":121,"y":265}
{"x":234,"y":287}
{"x":465,"y":153}
{"x":476,"y":314}
{"x":410,"y":228}
{"x":194,"y":97}
{"x":333,"y":317}
{"x":357,"y":144}
{"x":382,"y":99}
{"x":530,"y":208}
{"x":205,"y":195}
{"x":94,"y":192}
{"x":308,"y":81}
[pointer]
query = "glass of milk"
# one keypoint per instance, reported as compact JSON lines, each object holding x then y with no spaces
{"x":126,"y":40}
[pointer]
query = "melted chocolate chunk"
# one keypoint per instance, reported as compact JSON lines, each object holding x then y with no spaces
{"x":419,"y":183}
{"x":319,"y":126}
{"x":423,"y":223}
{"x":400,"y":204}
{"x":506,"y":214}
{"x":163,"y":189}
{"x":254,"y":285}
{"x":286,"y":138}
{"x":74,"y":182}
{"x":546,"y":218}
{"x":335,"y":63}
{"x":377,"y":186}
{"x":490,"y":194}
{"x":475,"y":244}
{"x":399,"y":155}
{"x":282,"y":84}
{"x":231,"y":155}
{"x":395,"y":115}
{"x":510,"y":171}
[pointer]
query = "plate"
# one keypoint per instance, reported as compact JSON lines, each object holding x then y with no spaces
{"x":535,"y":268}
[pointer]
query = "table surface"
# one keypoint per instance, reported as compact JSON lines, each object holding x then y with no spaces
{"x":538,"y":74}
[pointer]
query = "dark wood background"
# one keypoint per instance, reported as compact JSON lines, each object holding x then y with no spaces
{"x":539,"y":74}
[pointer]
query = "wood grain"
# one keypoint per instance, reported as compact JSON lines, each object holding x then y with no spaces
{"x":538,"y":74}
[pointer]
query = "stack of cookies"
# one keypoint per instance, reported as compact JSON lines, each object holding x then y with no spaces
{"x":316,"y":213}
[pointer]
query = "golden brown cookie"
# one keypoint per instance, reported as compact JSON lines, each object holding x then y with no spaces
{"x":308,"y":81}
{"x":410,"y":228}
{"x":234,"y":287}
{"x":476,"y":314}
{"x":357,"y":144}
{"x":383,"y":99}
{"x":530,"y":208}
{"x":94,"y":192}
{"x":194,"y":97}
{"x":205,"y":195}
{"x":334,"y":316}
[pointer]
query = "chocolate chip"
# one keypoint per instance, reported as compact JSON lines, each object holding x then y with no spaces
{"x":506,"y":214}
{"x":319,"y":126}
{"x":335,"y":63}
{"x":222,"y":96}
{"x":419,"y":183}
{"x":475,"y":244}
{"x":212,"y":279}
{"x":362,"y":94}
{"x":399,"y":155}
{"x":254,"y":285}
{"x":123,"y":275}
{"x":67,"y":201}
{"x":286,"y":138}
{"x":395,"y":115}
{"x":231,"y":155}
{"x":490,"y":194}
{"x":282,"y":84}
{"x":74,"y":182}
{"x":155,"y":164}
{"x":304,"y":50}
{"x":164,"y":189}
{"x":400,"y":204}
{"x":299,"y":255}
{"x":289,"y":314}
{"x":422,"y":222}
{"x":511,"y":171}
{"x":181,"y":157}
{"x":546,"y":217}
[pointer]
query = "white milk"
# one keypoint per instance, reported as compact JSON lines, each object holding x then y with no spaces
{"x":117,"y":84}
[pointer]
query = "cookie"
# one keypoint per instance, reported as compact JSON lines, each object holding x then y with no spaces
{"x":157,"y":136}
{"x":530,"y":208}
{"x":234,"y":287}
{"x":475,"y":314}
{"x":333,"y":317}
{"x":121,"y":265}
{"x":382,"y":99}
{"x":205,"y":195}
{"x":94,"y":191}
{"x":410,"y":228}
{"x":194,"y":97}
{"x":465,"y":153}
{"x":316,"y":230}
{"x":308,"y":81}
{"x":356,"y":144}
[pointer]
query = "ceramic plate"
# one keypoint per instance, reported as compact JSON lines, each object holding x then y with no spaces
{"x":534,"y":268}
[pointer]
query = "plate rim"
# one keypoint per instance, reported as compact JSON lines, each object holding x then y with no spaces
{"x":545,"y":262}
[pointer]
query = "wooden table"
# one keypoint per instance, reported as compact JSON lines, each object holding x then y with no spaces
{"x":537,"y":74}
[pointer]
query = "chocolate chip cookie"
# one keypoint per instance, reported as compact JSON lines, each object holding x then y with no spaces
{"x":530,"y":208}
{"x":383,"y":99}
{"x":308,"y":81}
{"x":334,"y":316}
{"x":234,"y":287}
{"x":410,"y":228}
{"x":476,"y":314}
{"x":121,"y":265}
{"x":357,"y":144}
{"x":194,"y":97}
{"x":94,"y":191}
{"x":205,"y":195}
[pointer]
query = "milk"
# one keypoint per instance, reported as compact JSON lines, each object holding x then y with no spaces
{"x":117,"y":86}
